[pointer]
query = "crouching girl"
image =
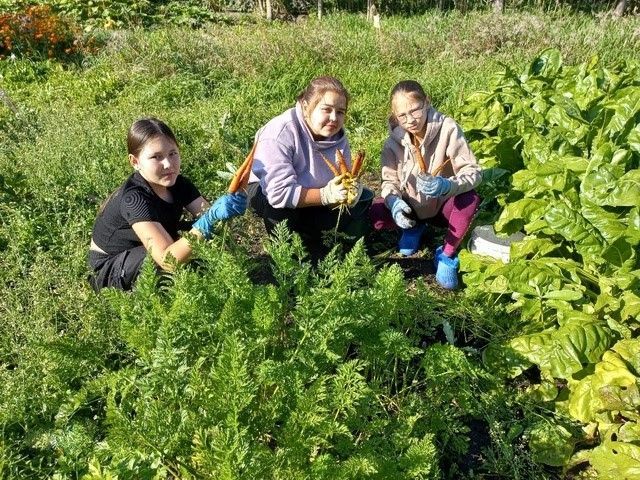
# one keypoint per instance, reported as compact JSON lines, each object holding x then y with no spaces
{"x":290,"y":179}
{"x":443,"y":195}
{"x":143,"y":214}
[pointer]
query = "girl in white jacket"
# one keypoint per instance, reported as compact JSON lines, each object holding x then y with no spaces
{"x":444,"y":195}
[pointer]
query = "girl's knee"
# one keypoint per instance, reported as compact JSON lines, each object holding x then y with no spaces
{"x":468,"y":200}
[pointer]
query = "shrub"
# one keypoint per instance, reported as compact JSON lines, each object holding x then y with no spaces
{"x":37,"y":31}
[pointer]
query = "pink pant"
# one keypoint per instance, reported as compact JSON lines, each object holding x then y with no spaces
{"x":456,"y":216}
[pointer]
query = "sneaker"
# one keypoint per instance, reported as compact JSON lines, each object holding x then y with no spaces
{"x":446,"y":270}
{"x":409,"y":242}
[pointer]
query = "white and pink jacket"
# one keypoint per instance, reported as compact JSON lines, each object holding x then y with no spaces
{"x":443,"y":139}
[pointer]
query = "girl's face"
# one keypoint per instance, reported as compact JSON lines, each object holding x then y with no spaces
{"x":410,"y":112}
{"x":158,"y":162}
{"x":327,"y":117}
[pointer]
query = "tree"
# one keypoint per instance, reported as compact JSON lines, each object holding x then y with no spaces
{"x":319,"y":9}
{"x":269,"y":10}
{"x":498,"y":6}
{"x":620,"y":7}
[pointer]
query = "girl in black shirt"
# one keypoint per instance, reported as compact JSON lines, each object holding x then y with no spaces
{"x":143,"y":214}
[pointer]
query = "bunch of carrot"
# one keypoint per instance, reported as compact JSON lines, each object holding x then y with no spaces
{"x":422,"y":166}
{"x":349,"y":177}
{"x":240,"y":179}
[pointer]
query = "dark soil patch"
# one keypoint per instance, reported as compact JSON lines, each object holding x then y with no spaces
{"x":479,"y":439}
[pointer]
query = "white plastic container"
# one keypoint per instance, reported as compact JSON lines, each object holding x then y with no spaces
{"x":484,"y":241}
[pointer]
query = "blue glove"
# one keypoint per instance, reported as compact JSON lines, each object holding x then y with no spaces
{"x":223,"y":208}
{"x":431,"y":186}
{"x":401,"y":212}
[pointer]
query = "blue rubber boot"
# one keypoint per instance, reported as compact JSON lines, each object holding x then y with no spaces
{"x":409,"y":242}
{"x":436,"y":258}
{"x":446,"y":270}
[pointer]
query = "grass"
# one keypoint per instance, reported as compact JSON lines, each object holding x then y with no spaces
{"x":64,"y":151}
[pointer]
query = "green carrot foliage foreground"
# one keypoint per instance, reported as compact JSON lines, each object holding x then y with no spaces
{"x":350,"y":371}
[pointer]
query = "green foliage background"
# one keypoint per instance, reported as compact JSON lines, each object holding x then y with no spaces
{"x":216,"y":373}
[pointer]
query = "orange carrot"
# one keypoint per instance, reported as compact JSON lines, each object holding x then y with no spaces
{"x":240,"y":179}
{"x":341,"y":162}
{"x":439,"y":168}
{"x":357,"y":163}
{"x":419,"y":158}
{"x":331,"y":166}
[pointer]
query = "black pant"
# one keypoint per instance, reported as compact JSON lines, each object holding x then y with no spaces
{"x":119,"y":271}
{"x":311,"y":223}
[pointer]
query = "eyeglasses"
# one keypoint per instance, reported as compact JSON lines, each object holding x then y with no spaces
{"x":416,"y":114}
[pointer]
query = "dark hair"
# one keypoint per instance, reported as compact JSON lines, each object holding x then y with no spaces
{"x":412,"y":89}
{"x":144,"y":130}
{"x":318,"y":87}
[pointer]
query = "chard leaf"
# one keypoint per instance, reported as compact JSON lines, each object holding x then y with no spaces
{"x":493,"y":174}
{"x":517,"y":214}
{"x":565,"y":118}
{"x":540,"y":177}
{"x":630,"y":306}
{"x":607,"y":184}
{"x":633,"y":226}
{"x":611,"y":388}
{"x":584,"y":401}
{"x":527,"y":181}
{"x":628,"y":280}
{"x":629,"y":351}
{"x":608,"y":223}
{"x":550,"y":444}
{"x":633,"y":139}
{"x":504,"y":360}
{"x":629,"y":432}
{"x":625,"y":103}
{"x":547,"y":64}
{"x":508,"y":152}
{"x":532,"y":278}
{"x":615,"y":460}
{"x":566,"y":294}
{"x":486,"y":116}
{"x":566,"y":350}
{"x":565,"y":220}
{"x":537,"y":247}
{"x":620,"y":254}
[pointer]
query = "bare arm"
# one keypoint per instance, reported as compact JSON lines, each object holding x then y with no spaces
{"x":198,"y":207}
{"x":309,"y":197}
{"x":157,"y":240}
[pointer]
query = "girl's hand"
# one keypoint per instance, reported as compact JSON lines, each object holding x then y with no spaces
{"x":333,"y":192}
{"x":431,"y":186}
{"x":225,"y":207}
{"x":401,"y":212}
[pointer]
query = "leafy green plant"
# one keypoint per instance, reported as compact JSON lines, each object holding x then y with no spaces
{"x":572,"y":136}
{"x":107,"y":14}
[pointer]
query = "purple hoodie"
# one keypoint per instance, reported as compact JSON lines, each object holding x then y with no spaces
{"x":287,"y":158}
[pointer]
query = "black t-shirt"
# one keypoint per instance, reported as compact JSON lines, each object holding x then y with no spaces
{"x":135,"y":201}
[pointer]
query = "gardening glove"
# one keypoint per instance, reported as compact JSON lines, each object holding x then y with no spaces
{"x":354,"y":193}
{"x":225,"y":207}
{"x":333,"y":192}
{"x":431,"y":186}
{"x":401,"y":212}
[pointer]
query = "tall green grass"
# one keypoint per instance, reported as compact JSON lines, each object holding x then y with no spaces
{"x":64,"y":151}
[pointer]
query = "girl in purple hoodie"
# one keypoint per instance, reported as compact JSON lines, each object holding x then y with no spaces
{"x":444,"y":195}
{"x":290,"y":180}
